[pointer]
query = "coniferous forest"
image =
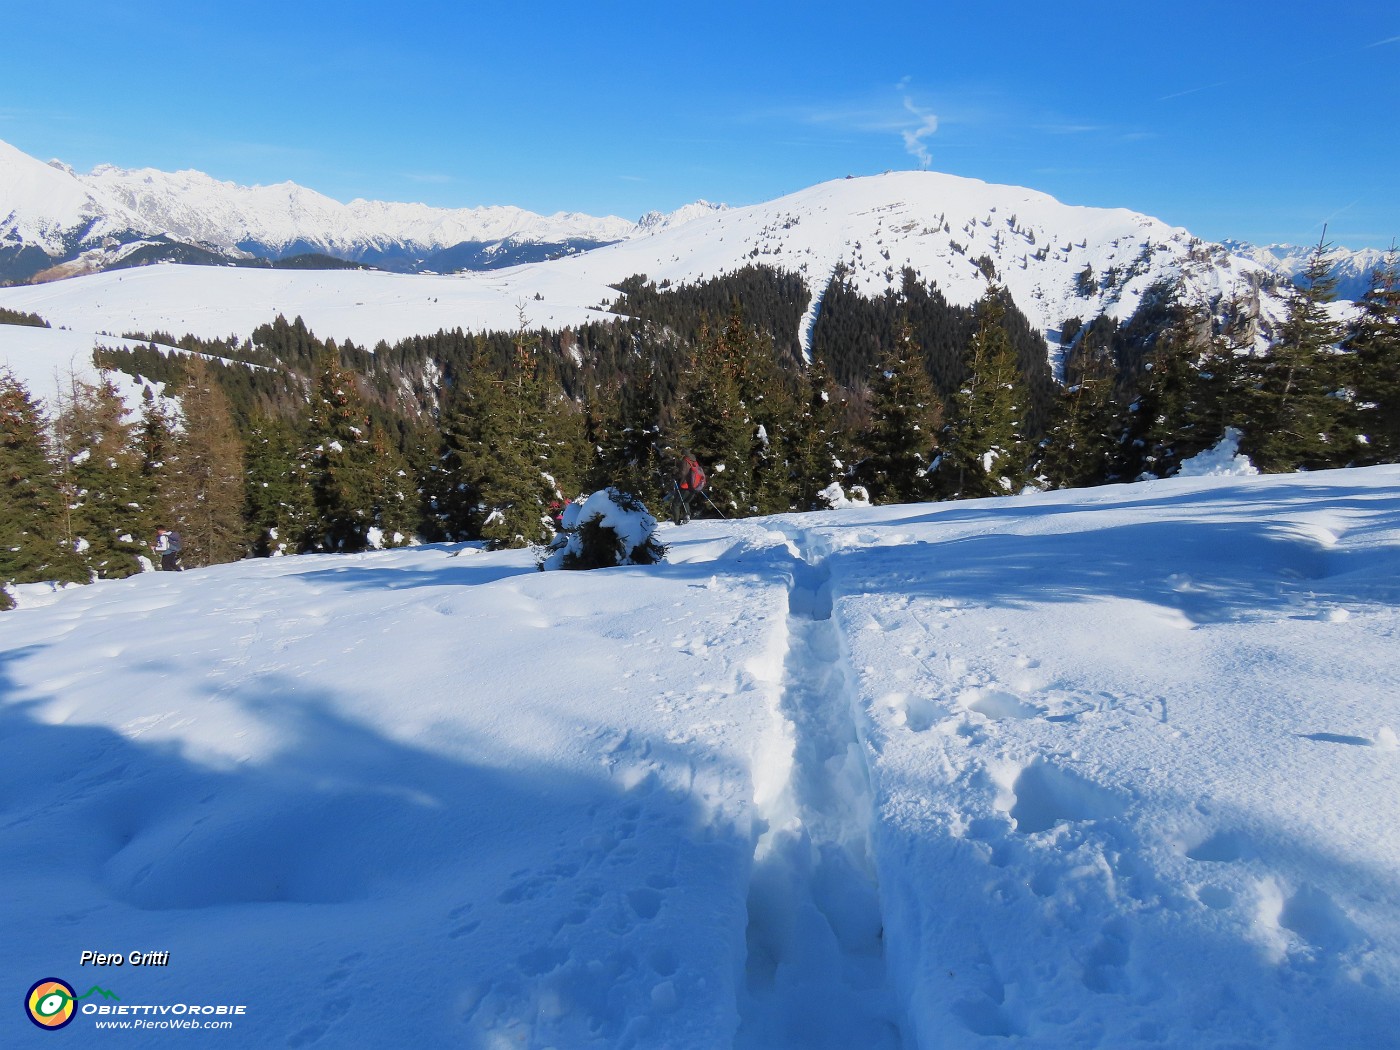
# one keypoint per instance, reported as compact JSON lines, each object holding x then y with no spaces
{"x":283,"y":443}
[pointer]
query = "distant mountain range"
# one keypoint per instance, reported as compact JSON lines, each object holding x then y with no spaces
{"x":1061,"y":263}
{"x":56,"y":222}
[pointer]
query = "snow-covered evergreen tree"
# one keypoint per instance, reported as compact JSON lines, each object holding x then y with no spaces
{"x":32,"y":510}
{"x":899,"y":443}
{"x":108,"y":497}
{"x":339,"y":462}
{"x":981,"y":446}
{"x":609,"y":528}
{"x":1294,"y":411}
{"x":277,"y":497}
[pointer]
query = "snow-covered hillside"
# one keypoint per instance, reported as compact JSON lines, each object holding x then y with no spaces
{"x":1114,"y":768}
{"x":1058,"y":261}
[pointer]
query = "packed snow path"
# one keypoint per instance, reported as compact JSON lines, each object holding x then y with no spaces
{"x":815,"y":969}
{"x":1115,"y":768}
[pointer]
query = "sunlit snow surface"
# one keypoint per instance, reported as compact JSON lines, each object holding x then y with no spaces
{"x":1111,"y":768}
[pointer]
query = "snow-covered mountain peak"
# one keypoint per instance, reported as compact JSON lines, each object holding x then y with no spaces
{"x":655,"y":221}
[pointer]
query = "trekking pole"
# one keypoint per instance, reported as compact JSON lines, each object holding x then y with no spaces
{"x":712,"y":505}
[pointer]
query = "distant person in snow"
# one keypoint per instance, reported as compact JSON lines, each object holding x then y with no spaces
{"x":167,"y":545}
{"x":690,"y":483}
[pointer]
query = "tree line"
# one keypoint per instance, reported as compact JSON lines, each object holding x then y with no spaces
{"x":282,"y":443}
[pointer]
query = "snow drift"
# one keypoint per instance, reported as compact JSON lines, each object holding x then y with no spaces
{"x":1083,"y":769}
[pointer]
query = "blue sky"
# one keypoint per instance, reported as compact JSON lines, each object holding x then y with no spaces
{"x":1233,"y":119}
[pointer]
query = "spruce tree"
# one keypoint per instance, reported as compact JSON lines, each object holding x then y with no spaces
{"x":1167,"y":419}
{"x":821,"y":442}
{"x":1293,"y":414}
{"x":982,"y":451}
{"x":32,"y":510}
{"x":713,"y":423}
{"x":1083,"y":446}
{"x":626,"y":431}
{"x":109,"y":521}
{"x":494,"y":479}
{"x":276,"y":496}
{"x":1374,"y":340}
{"x":338,"y":460}
{"x":899,"y":443}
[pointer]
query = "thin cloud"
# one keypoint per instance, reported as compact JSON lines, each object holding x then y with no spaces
{"x":432,"y":178}
{"x":1387,"y":40}
{"x":1071,"y":129}
{"x":914,"y":136}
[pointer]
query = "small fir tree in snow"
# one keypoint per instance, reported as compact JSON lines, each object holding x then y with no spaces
{"x":1082,"y":447}
{"x":1162,"y":426}
{"x":608,"y":528}
{"x":821,"y":445}
{"x":713,"y":422}
{"x":494,"y":473}
{"x":624,"y":421}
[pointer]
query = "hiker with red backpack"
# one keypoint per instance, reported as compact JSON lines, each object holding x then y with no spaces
{"x":690,"y":485}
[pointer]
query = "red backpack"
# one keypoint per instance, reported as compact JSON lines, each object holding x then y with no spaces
{"x":694,"y":478}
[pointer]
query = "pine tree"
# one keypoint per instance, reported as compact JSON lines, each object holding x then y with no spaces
{"x":393,"y":495}
{"x":276,"y":496}
{"x":982,"y":451}
{"x":713,"y":423}
{"x":1083,"y":446}
{"x":821,"y":442}
{"x":101,"y":479}
{"x":494,"y":479}
{"x":1374,"y":340}
{"x":625,"y":422}
{"x":338,"y":460}
{"x":900,"y":441}
{"x":1293,"y":414}
{"x":204,"y":485}
{"x":31,"y":506}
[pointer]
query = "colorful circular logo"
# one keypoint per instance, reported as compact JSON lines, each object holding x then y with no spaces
{"x":50,"y":1003}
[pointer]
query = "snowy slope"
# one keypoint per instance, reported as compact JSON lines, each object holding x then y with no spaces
{"x":872,"y":228}
{"x":1111,"y":768}
{"x":45,"y":360}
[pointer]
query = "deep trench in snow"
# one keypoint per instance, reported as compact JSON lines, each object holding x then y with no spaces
{"x":815,"y":973}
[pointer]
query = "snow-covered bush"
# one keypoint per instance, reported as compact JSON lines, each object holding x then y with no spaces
{"x":837,"y":498}
{"x":608,"y":528}
{"x":1224,"y":460}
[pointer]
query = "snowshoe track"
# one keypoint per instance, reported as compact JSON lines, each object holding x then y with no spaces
{"x":815,"y":973}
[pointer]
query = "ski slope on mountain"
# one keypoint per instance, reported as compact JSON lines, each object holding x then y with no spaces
{"x":1111,"y":768}
{"x":1058,"y":261}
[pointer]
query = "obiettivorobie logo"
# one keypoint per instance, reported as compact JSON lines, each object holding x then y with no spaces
{"x":52,"y":1004}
